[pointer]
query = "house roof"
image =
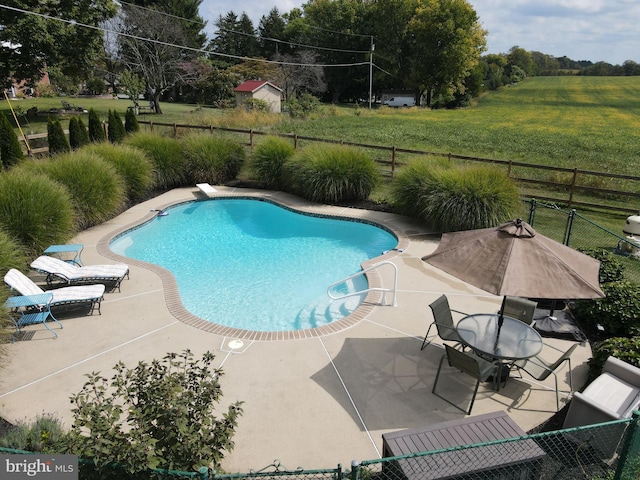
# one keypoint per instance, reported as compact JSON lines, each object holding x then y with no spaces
{"x":253,"y":85}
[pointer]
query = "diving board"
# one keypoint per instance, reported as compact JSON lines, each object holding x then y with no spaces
{"x":206,"y":188}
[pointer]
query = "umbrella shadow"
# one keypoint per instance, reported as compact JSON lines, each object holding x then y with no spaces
{"x":383,"y":382}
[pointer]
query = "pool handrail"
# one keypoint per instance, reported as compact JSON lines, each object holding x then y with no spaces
{"x":374,"y":289}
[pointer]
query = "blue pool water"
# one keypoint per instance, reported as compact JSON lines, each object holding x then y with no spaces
{"x":253,"y":265}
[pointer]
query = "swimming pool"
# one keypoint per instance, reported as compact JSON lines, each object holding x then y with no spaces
{"x":251,"y":264}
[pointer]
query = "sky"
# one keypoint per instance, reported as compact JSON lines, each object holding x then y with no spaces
{"x":594,"y":30}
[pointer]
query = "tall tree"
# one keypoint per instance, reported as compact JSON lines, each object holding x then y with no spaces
{"x":32,"y":37}
{"x":336,"y":26}
{"x":443,"y":44}
{"x":152,"y":48}
{"x":235,"y":37}
{"x":271,"y":34}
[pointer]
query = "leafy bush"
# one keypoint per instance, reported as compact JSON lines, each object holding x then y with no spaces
{"x":37,"y":436}
{"x":78,"y":135}
{"x":115,"y":128}
{"x":131,"y":122}
{"x":212,"y":159}
{"x":157,"y":415}
{"x":96,"y":132}
{"x":618,"y":312}
{"x":131,"y":163}
{"x":333,"y":173}
{"x":625,"y":349}
{"x":167,"y":157}
{"x":458,"y":198}
{"x":302,"y":106}
{"x":96,"y":188}
{"x":56,"y":138}
{"x":10,"y":149}
{"x":611,"y":268}
{"x":268,"y":162}
{"x":34,"y":210}
{"x":257,"y":104}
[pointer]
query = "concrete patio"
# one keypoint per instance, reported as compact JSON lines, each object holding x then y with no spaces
{"x":310,"y":400}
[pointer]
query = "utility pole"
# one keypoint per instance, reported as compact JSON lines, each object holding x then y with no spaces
{"x":371,"y":71}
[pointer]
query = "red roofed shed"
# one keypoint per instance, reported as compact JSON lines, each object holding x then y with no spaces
{"x":261,"y":90}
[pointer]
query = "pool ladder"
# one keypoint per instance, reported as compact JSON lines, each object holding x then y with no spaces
{"x":375,"y":289}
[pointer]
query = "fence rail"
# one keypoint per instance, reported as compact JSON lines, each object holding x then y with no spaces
{"x":572,"y":188}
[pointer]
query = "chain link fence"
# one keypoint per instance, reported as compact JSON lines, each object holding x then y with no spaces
{"x":577,"y":231}
{"x":604,"y":451}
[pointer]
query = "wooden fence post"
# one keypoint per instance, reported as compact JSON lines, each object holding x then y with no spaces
{"x":573,"y":184}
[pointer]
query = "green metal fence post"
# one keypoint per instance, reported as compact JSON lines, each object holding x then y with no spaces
{"x":355,"y":470}
{"x":204,"y":473}
{"x":532,"y":211}
{"x":627,"y":452}
{"x":567,"y":232}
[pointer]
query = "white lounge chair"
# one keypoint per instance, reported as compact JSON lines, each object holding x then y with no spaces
{"x":60,"y":271}
{"x":64,"y":296}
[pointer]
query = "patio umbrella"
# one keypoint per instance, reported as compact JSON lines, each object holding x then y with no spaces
{"x":512,"y":259}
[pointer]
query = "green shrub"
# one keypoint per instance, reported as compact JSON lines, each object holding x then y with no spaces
{"x":333,"y":173}
{"x":115,"y":128}
{"x":212,"y":159}
{"x":78,"y":135}
{"x":618,"y":312}
{"x":131,"y":122}
{"x":38,"y":436}
{"x":12,"y":254}
{"x":167,"y":157}
{"x":35,"y":210}
{"x":625,"y":349}
{"x":611,"y":268}
{"x":135,"y":168}
{"x":56,"y":138}
{"x":96,"y":131}
{"x":96,"y":188}
{"x":459,"y":198}
{"x":268,"y":162}
{"x":413,"y":184}
{"x":161,"y":414}
{"x":10,"y":149}
{"x":302,"y":106}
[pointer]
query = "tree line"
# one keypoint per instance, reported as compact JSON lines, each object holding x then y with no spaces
{"x":337,"y":50}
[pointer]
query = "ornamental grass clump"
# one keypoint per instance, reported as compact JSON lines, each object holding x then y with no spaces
{"x":35,"y":211}
{"x":269,"y":160}
{"x":131,"y":163}
{"x":166,"y":153}
{"x":97,"y":189}
{"x":332,"y":173}
{"x":457,"y":198}
{"x":210,"y":159}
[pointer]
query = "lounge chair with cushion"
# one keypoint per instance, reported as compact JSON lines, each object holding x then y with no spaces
{"x":59,"y":271}
{"x":65,"y":296}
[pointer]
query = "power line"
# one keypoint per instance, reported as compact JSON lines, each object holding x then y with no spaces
{"x":183,"y":47}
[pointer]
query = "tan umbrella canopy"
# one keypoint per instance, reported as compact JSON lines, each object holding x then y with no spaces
{"x":512,"y":259}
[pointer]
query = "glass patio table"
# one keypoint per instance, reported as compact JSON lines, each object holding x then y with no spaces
{"x":514,"y":340}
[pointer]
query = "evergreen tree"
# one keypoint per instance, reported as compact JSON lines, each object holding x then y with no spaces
{"x":96,"y":132}
{"x":115,"y":130}
{"x":10,"y":149}
{"x":55,"y":136}
{"x":130,"y":121}
{"x":78,"y":135}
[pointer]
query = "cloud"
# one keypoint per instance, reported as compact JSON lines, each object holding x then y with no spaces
{"x":595,"y":30}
